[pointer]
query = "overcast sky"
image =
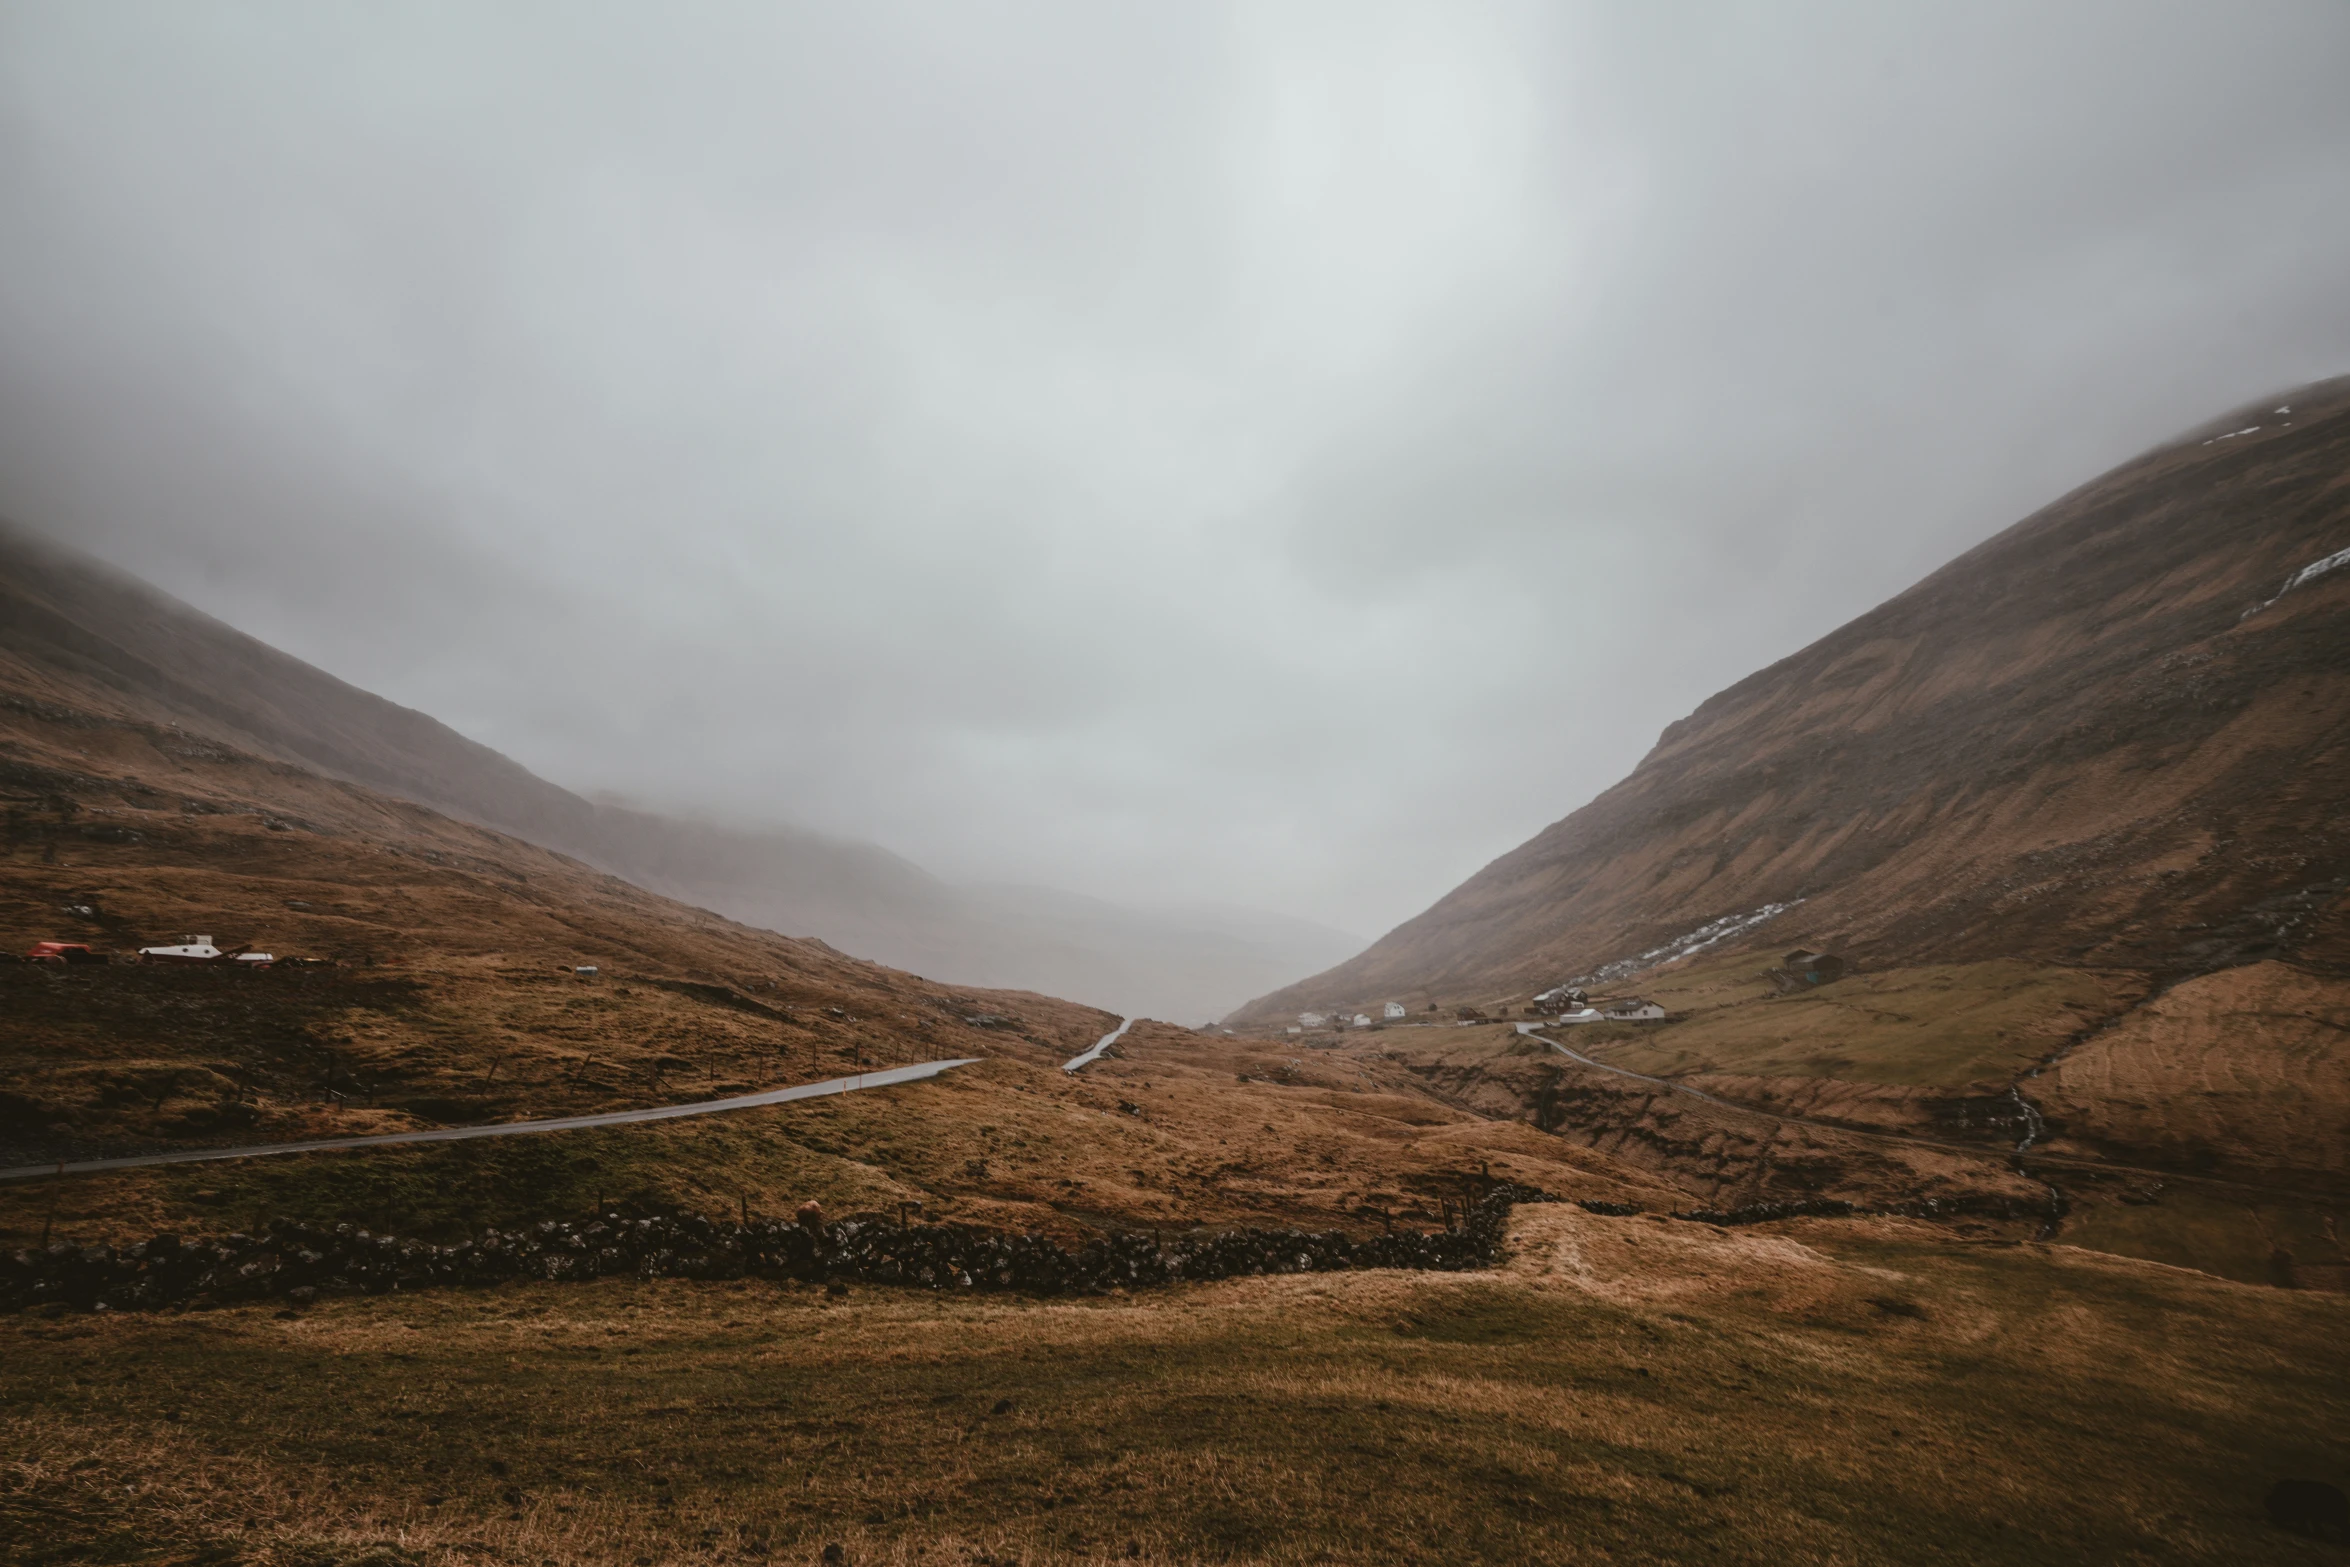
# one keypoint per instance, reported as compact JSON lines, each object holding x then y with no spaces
{"x":1281,"y":455}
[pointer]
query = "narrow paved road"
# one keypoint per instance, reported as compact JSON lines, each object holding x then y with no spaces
{"x":458,"y":1134}
{"x":1099,"y":1045}
{"x":1642,"y":1077}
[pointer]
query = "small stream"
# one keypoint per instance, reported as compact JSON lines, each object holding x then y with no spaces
{"x":2034,"y":1127}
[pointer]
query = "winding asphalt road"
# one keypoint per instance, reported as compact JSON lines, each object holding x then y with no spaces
{"x":569,"y":1123}
{"x":1099,"y":1045}
{"x":1642,"y":1077}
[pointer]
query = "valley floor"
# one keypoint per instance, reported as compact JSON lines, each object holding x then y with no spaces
{"x":1621,"y":1390}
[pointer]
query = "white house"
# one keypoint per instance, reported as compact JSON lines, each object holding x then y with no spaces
{"x":1578,"y":1015}
{"x":192,"y":949}
{"x":1361,"y":1021}
{"x":1396,"y":1009}
{"x":1635,"y":1012}
{"x":1311,"y":1019}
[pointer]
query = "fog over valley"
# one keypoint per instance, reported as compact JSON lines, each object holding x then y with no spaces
{"x":1246,"y":465}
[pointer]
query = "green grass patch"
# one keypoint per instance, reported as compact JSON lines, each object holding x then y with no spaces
{"x":1944,"y":1026}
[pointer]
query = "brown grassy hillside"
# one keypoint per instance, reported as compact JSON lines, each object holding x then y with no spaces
{"x":1633,"y":1389}
{"x":450,"y":1001}
{"x":2069,"y":745}
{"x":2076,"y":807}
{"x":79,"y":636}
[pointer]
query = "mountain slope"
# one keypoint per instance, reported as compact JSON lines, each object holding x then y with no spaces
{"x":2071,"y":744}
{"x":77,"y":633}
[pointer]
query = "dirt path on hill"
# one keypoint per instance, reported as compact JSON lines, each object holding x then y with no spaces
{"x":2018,"y":1157}
{"x":453,"y":1134}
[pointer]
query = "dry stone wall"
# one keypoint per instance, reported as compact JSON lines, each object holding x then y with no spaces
{"x":298,"y":1263}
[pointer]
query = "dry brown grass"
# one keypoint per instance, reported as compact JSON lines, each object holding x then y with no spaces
{"x":2243,"y":1070}
{"x":454,"y":1005}
{"x":1168,"y":1136}
{"x":1622,"y":1391}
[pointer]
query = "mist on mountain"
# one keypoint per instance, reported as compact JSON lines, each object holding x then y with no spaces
{"x":1274,"y":456}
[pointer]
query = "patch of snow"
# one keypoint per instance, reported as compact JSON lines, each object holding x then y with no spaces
{"x":2250,"y":429}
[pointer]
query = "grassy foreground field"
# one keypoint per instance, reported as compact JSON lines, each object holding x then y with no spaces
{"x":1622,"y":1390}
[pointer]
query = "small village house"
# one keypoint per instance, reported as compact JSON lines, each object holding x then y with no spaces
{"x":189,"y":949}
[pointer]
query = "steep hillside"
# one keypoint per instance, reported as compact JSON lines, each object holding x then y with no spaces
{"x":448,"y":997}
{"x":2077,"y":743}
{"x":75,"y":633}
{"x":2077,"y":810}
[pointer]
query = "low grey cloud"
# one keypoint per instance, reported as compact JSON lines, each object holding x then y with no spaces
{"x":1272,"y":454}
